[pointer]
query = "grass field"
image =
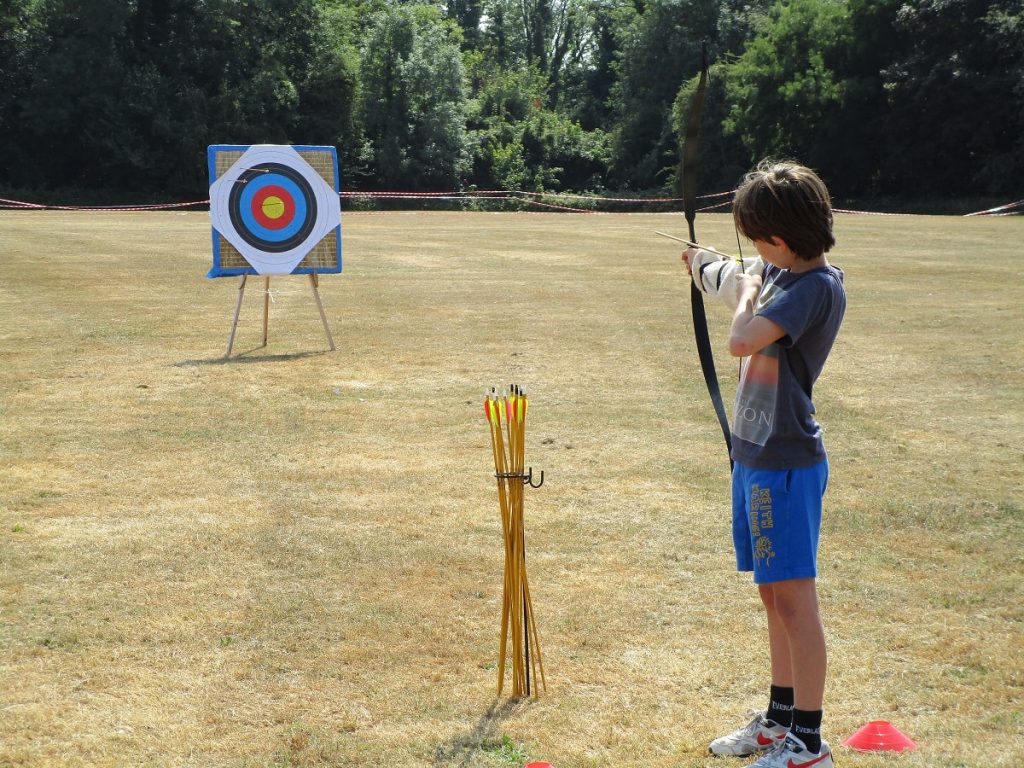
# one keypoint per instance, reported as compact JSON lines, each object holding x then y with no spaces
{"x":294,"y":557}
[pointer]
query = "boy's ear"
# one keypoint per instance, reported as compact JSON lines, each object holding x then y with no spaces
{"x":778,"y":242}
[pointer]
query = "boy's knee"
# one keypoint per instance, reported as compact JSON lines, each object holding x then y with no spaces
{"x":795,"y":601}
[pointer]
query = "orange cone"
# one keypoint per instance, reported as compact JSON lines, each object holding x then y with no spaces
{"x":879,"y":735}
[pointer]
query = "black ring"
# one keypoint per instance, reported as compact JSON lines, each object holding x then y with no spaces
{"x":234,"y":207}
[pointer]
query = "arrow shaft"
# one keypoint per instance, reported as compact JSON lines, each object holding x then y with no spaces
{"x":696,"y":245}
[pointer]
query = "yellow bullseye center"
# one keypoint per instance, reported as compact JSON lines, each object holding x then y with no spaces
{"x":273,"y":207}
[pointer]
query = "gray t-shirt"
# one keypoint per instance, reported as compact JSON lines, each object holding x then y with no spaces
{"x":773,"y":417}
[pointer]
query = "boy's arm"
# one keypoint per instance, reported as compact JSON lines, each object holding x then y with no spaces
{"x":717,"y":276}
{"x":750,"y":333}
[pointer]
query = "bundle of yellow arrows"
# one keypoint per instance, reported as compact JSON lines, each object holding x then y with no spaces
{"x":506,"y":415}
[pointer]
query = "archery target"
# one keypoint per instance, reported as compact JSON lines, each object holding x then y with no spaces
{"x":273,"y":207}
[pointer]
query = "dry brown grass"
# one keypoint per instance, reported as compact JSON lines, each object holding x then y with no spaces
{"x":294,"y":558}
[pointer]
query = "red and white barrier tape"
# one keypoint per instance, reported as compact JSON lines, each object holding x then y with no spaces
{"x":507,"y":193}
{"x":1001,"y":210}
{"x":529,"y":198}
{"x":871,"y":213}
{"x":486,"y":194}
{"x":23,"y":206}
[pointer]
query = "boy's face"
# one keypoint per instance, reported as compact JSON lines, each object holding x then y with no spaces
{"x":776,"y":252}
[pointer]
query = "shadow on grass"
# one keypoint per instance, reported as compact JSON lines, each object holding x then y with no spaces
{"x":244,"y":357}
{"x":462,"y":750}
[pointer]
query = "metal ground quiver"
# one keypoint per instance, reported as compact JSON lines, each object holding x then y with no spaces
{"x":506,"y":414}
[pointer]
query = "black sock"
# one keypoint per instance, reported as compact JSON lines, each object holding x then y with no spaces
{"x":807,"y":727}
{"x":780,"y":706}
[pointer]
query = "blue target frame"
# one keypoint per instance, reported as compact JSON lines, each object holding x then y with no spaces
{"x":323,"y":257}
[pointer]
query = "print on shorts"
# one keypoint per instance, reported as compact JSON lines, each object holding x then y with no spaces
{"x":762,"y":524}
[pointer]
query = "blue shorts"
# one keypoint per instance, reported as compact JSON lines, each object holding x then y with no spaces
{"x":776,"y":519}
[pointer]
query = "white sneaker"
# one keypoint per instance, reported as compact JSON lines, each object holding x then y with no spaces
{"x":791,"y":753}
{"x":759,"y":735}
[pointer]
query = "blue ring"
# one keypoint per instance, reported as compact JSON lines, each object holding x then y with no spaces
{"x":249,"y":220}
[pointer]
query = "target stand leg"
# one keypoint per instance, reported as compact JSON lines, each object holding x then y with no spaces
{"x":313,"y":283}
{"x":238,"y":309}
{"x":266,"y":308}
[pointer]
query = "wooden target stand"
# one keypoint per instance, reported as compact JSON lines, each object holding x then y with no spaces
{"x":305,"y":173}
{"x":314,"y":283}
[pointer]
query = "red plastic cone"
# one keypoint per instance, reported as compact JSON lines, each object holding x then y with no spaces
{"x":879,"y":735}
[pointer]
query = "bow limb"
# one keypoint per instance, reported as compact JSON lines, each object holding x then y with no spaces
{"x":689,"y":153}
{"x":689,"y":185}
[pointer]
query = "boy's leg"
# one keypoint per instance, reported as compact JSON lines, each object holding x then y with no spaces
{"x":784,"y":513}
{"x":780,"y":702}
{"x":759,"y":734}
{"x":783,"y":516}
{"x":792,"y":605}
{"x":796,"y":609}
{"x":778,"y":640}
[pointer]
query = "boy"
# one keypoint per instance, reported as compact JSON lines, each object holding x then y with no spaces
{"x":788,"y":306}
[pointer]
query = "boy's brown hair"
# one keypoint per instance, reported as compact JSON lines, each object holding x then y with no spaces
{"x":787,"y":200}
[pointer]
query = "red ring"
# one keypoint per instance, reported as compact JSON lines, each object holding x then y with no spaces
{"x":272,"y":190}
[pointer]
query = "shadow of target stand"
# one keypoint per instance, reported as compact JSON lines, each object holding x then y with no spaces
{"x":275,"y":210}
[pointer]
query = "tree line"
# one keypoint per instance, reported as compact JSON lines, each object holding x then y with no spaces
{"x":898,"y":100}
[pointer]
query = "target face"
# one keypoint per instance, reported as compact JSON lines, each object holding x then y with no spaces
{"x":273,"y":207}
